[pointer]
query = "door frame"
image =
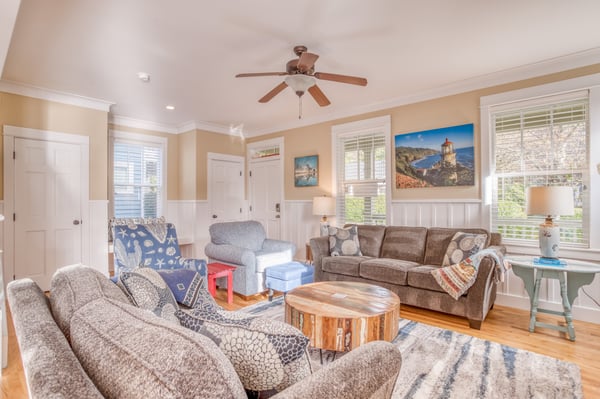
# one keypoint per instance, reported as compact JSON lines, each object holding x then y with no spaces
{"x":10,"y":134}
{"x":214,"y":156}
{"x":257,"y":145}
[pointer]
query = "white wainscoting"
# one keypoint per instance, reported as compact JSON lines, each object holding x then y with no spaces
{"x":97,"y":225}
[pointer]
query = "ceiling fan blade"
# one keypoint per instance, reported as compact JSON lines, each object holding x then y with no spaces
{"x":251,"y":75}
{"x":267,"y":97}
{"x":353,"y":80}
{"x":319,"y":96}
{"x":306,"y":61}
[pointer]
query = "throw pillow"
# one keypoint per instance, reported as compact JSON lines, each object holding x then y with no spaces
{"x":149,"y":291}
{"x":266,"y":354}
{"x":187,"y":285}
{"x":344,"y":242}
{"x":462,"y":246}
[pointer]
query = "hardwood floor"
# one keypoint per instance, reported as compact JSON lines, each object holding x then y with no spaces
{"x":504,"y":325}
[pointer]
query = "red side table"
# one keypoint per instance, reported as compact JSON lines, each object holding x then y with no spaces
{"x":216,"y":270}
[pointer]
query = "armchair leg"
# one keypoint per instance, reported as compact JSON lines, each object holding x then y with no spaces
{"x":475,"y":324}
{"x":270,"y":295}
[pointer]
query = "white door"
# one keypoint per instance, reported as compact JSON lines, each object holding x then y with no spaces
{"x":47,"y":208}
{"x":265,"y":195}
{"x":226,"y":188}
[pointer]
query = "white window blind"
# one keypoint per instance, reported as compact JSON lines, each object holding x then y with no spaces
{"x":361,"y":178}
{"x":541,"y":146}
{"x":137,"y":179}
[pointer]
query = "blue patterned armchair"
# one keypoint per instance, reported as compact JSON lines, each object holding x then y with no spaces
{"x":151,"y":245}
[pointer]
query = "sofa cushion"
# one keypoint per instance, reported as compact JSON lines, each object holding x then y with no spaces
{"x":73,"y":286}
{"x":267,"y":354}
{"x":131,"y":353}
{"x":344,"y":242}
{"x":438,"y":239}
{"x":370,"y":239}
{"x":149,"y":291}
{"x":406,"y":243}
{"x":421,"y":277}
{"x":248,"y":234}
{"x":347,"y":265}
{"x":185,"y":284}
{"x":463,"y":245}
{"x":392,"y":271}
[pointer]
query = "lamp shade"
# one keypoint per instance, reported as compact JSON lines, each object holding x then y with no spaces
{"x":550,"y":201}
{"x":323,"y":206}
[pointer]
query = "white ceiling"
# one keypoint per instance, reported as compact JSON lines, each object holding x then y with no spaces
{"x":193,"y":49}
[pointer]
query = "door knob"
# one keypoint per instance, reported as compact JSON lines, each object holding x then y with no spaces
{"x":214,"y":216}
{"x":76,"y":222}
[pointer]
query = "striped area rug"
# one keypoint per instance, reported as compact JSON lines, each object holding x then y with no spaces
{"x":438,"y":363}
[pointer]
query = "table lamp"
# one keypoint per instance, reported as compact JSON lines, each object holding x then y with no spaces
{"x":324,"y":206}
{"x":550,"y":201}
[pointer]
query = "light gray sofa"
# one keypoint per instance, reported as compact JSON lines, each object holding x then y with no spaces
{"x":89,"y":341}
{"x":246,"y":246}
{"x":401,"y":259}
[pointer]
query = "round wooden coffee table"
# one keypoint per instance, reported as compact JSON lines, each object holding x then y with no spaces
{"x":342,"y":315}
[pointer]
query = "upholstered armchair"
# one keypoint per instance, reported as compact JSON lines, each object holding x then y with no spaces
{"x":150,"y":244}
{"x":246,"y":246}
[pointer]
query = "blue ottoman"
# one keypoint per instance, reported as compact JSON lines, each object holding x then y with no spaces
{"x":287,"y":276}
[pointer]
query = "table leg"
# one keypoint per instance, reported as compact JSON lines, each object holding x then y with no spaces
{"x":566,"y":306}
{"x":534,"y":302}
{"x":212,"y":285}
{"x":229,"y":286}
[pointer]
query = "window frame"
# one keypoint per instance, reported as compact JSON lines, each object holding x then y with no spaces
{"x":364,"y":127}
{"x":117,"y":136}
{"x":537,"y":95}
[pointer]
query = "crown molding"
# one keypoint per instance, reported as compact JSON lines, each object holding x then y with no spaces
{"x":53,"y":95}
{"x":546,"y":67}
{"x":119,"y":120}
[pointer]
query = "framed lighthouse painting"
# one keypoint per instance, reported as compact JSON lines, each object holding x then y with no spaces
{"x":436,"y":158}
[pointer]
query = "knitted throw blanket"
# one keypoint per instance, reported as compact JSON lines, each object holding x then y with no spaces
{"x":458,"y":278}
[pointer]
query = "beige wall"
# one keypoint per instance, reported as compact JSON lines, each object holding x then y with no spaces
{"x":21,"y":111}
{"x":441,"y":112}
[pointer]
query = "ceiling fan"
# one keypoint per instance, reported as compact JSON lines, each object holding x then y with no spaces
{"x":301,"y":76}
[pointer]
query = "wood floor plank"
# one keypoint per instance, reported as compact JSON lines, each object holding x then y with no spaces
{"x":504,"y":325}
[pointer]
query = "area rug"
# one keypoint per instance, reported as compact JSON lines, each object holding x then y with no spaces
{"x":438,"y":363}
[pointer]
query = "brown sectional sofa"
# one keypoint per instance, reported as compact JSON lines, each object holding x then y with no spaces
{"x":401,"y":258}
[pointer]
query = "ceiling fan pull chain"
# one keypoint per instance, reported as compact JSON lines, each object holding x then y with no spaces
{"x":299,"y":107}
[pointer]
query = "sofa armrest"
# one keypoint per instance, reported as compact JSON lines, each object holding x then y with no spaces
{"x":319,"y":247}
{"x":51,"y":368}
{"x":271,"y":245}
{"x":482,"y":294}
{"x":370,"y":371}
{"x":231,"y":254}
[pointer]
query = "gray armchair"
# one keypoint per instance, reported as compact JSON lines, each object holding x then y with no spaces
{"x":246,"y":246}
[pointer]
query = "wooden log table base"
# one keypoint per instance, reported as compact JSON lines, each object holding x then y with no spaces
{"x":340,"y":316}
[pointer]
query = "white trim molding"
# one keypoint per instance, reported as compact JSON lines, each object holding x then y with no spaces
{"x":54,"y":95}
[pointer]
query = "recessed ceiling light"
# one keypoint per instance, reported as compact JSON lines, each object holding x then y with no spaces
{"x":144,"y":77}
{"x":170,"y":107}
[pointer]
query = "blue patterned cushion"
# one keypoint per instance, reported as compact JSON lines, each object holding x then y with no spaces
{"x":186,"y":285}
{"x":149,"y":291}
{"x":266,"y":354}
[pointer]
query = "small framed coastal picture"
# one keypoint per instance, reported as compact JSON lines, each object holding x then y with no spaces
{"x":306,"y":171}
{"x":436,"y":158}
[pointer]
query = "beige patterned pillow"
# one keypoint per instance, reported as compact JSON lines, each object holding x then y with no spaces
{"x":462,"y":246}
{"x":344,"y":242}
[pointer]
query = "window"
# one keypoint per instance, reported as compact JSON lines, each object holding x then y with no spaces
{"x":541,"y":142}
{"x":137,"y":178}
{"x":362,"y":172}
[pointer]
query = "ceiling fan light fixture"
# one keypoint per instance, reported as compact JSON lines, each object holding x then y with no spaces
{"x":300,"y":83}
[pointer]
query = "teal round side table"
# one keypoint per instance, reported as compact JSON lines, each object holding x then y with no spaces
{"x":571,"y":276}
